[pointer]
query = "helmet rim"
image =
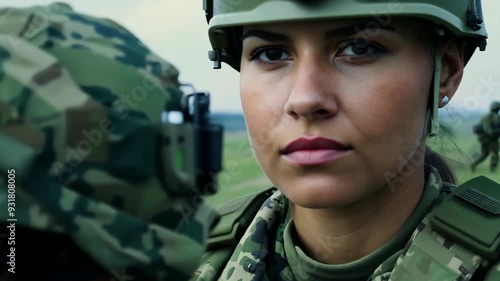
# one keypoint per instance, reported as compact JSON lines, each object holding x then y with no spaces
{"x":224,"y":18}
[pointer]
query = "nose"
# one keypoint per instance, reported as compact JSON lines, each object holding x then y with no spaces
{"x":312,"y":96}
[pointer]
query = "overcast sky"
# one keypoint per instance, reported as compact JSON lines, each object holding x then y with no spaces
{"x":177,"y":30}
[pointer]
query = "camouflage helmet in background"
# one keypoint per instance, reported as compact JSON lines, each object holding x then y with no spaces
{"x":79,"y":101}
{"x":495,"y":106}
{"x":462,"y":17}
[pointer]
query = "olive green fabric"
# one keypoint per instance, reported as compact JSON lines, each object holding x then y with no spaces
{"x":473,"y":205}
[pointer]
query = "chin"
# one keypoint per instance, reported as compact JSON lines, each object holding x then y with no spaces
{"x":326,"y":203}
{"x":314,"y":196}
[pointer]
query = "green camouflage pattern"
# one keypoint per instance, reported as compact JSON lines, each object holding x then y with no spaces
{"x":430,"y":256}
{"x":488,"y":140}
{"x":260,"y":254}
{"x":80,"y":106}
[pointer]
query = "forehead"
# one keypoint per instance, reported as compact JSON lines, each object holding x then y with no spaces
{"x":402,"y":26}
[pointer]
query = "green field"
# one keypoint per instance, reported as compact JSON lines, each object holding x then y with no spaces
{"x":459,"y":155}
{"x":242,"y":175}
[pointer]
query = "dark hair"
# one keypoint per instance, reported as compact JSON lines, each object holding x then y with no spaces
{"x":435,"y":160}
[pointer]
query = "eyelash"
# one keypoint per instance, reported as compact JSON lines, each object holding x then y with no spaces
{"x":377,"y":50}
{"x":259,"y":51}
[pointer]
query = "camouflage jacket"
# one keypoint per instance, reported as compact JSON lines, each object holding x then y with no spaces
{"x":266,"y":251}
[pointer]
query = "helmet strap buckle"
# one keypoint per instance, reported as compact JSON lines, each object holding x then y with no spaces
{"x":215,"y":56}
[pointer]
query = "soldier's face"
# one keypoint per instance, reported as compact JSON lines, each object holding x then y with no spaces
{"x":335,"y":109}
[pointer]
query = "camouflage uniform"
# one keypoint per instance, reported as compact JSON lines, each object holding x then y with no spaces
{"x":488,"y":137}
{"x":268,"y":251}
{"x":80,"y":98}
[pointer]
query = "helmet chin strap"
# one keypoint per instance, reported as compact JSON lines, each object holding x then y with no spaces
{"x":431,"y":118}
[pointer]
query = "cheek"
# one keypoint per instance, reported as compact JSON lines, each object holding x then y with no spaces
{"x":263,"y":97}
{"x":258,"y":110}
{"x":402,"y":111}
{"x":252,"y":103}
{"x":396,"y":104}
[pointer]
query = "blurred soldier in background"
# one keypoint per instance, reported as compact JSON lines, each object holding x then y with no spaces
{"x":89,"y":185}
{"x":488,"y":131}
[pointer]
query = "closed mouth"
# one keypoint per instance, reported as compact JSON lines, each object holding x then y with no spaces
{"x":317,"y":143}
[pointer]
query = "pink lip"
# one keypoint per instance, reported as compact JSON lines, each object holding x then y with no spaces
{"x":312,"y":152}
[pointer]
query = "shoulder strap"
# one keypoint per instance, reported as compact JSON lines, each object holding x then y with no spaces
{"x":471,"y":217}
{"x":235,"y":217}
{"x":460,"y":236}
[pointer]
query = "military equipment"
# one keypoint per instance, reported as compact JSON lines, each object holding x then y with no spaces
{"x":191,"y":147}
{"x":448,"y":240}
{"x":81,"y":108}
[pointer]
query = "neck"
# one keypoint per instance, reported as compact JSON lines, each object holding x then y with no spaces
{"x":343,"y":235}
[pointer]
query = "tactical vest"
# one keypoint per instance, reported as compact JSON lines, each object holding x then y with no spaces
{"x":458,"y":240}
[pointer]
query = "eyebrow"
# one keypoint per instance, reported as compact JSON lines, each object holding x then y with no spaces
{"x":356,"y":28}
{"x":337,"y":32}
{"x":266,"y":35}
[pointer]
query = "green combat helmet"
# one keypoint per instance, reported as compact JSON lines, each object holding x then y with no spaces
{"x":103,"y":159}
{"x":495,"y":106}
{"x":225,"y":17}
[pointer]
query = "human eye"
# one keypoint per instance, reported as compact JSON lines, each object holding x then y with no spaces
{"x":270,"y":55}
{"x":360,"y":49}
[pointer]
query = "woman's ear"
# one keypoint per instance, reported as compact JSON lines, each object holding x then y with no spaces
{"x":452,"y":68}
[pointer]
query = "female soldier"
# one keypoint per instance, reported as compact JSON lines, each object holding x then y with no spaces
{"x":339,"y":98}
